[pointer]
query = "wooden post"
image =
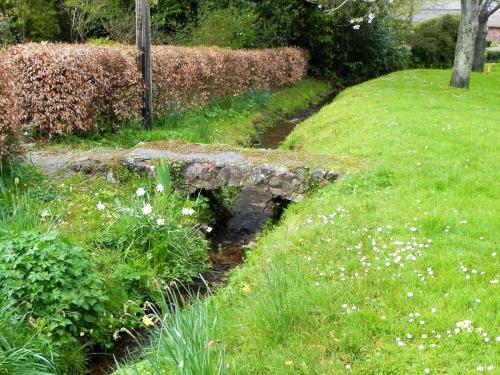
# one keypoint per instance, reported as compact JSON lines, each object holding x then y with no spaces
{"x":143,"y":43}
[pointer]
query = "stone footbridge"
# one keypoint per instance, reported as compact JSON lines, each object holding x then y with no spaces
{"x":285,"y":174}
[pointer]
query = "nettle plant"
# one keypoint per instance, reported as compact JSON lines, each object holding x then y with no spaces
{"x":53,"y":281}
{"x":157,"y":230}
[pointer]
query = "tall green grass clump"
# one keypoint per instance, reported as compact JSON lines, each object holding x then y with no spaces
{"x":183,"y":342}
{"x":21,"y":202}
{"x":22,"y":349}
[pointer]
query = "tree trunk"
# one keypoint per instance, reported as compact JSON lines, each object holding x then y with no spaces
{"x":464,"y":52}
{"x":480,"y":45}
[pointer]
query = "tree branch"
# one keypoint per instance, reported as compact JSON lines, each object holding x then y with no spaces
{"x":493,"y":10}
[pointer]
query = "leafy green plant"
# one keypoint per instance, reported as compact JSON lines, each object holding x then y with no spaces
{"x":54,"y":281}
{"x":235,"y":28}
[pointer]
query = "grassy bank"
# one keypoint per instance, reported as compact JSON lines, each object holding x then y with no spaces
{"x":394,"y":269}
{"x":232,"y":120}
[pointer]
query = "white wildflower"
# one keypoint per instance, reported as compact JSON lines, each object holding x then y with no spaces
{"x":187,"y":211}
{"x":140,"y":192}
{"x":147,"y":209}
{"x":159,"y":188}
{"x":160,"y":221}
{"x":101,"y":206}
{"x":465,"y":325}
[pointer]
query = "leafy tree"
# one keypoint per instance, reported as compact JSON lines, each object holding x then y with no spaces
{"x":34,"y":20}
{"x":342,"y":46}
{"x":116,"y":18}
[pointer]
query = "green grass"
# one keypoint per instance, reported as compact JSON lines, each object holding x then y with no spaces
{"x":232,"y":120}
{"x":184,"y":341}
{"x":380,"y":257}
{"x":22,"y":351}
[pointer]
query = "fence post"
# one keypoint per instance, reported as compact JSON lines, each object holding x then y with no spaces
{"x":143,"y":44}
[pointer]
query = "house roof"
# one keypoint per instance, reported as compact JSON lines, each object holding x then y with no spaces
{"x":434,"y":9}
{"x":494,"y":20}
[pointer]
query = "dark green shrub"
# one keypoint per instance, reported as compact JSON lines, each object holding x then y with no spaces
{"x":338,"y":51}
{"x":229,"y":27}
{"x":493,"y":56}
{"x":433,"y":42}
{"x":7,"y":36}
{"x":53,"y":280}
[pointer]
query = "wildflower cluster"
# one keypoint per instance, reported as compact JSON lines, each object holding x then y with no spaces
{"x":157,"y":228}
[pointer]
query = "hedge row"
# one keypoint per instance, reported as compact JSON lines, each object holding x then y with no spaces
{"x":10,"y":125}
{"x":63,"y":88}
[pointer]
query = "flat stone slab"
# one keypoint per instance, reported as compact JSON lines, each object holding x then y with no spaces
{"x":283,"y":173}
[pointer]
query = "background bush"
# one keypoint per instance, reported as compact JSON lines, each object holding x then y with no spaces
{"x":7,"y":36}
{"x":235,"y":28}
{"x":433,"y":42}
{"x":338,"y":51}
{"x":493,"y":56}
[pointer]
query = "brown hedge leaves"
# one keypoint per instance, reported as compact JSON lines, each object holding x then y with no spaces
{"x":56,"y":89}
{"x":66,"y":88}
{"x":10,"y":124}
{"x":195,"y":76}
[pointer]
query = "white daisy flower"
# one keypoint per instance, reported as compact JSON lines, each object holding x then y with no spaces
{"x":140,"y":192}
{"x":147,"y":209}
{"x":187,"y":211}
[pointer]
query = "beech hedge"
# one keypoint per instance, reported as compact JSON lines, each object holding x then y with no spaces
{"x":57,"y":89}
{"x":10,"y":124}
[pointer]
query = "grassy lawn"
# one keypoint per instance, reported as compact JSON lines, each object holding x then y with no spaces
{"x":233,"y":120}
{"x":394,"y":269}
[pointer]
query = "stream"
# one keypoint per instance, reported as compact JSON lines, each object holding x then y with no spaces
{"x":253,"y":208}
{"x":251,"y":211}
